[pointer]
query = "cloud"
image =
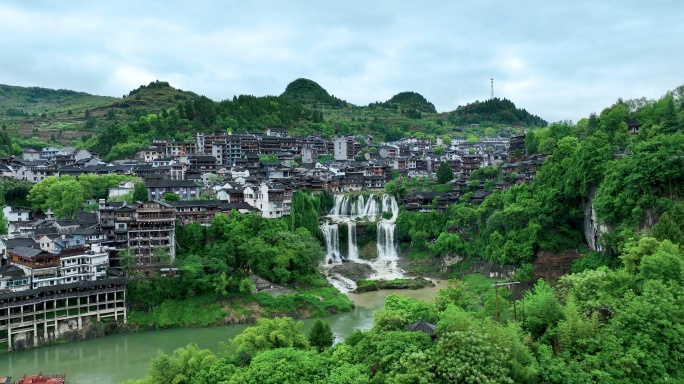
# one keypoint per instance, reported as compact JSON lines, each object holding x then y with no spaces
{"x":557,"y":60}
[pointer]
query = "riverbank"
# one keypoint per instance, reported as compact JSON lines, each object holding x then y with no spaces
{"x":127,"y":355}
{"x":212,"y":310}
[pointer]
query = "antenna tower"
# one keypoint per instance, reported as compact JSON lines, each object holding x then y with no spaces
{"x":492,"y":80}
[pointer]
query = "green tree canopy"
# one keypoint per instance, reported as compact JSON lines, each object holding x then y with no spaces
{"x":444,"y":173}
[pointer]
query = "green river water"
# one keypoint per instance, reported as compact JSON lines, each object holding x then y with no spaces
{"x":113,"y":359}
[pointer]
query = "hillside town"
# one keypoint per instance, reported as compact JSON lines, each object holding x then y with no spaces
{"x":83,"y":260}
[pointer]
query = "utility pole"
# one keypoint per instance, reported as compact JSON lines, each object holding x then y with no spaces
{"x":492,"y":80}
{"x":496,"y":289}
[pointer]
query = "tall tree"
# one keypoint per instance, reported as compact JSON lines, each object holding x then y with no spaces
{"x":321,"y":337}
{"x":444,"y":173}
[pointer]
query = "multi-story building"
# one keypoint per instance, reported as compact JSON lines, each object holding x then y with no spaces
{"x":45,"y":312}
{"x":309,"y":155}
{"x":203,"y":211}
{"x":516,"y":148}
{"x":82,"y":262}
{"x":142,"y":227}
{"x":270,"y":199}
{"x":185,"y":189}
{"x":345,"y":148}
{"x":470,"y":163}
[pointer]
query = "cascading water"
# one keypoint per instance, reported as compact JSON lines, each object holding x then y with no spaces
{"x":356,"y":206}
{"x":387,"y":248}
{"x":332,"y":243}
{"x":351,"y":238}
{"x":350,"y":209}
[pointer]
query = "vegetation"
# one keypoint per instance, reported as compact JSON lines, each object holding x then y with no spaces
{"x":634,"y":183}
{"x":65,"y":195}
{"x":444,"y":173}
{"x":494,"y":111}
{"x":309,"y":92}
{"x":320,"y":336}
{"x":118,"y":128}
{"x":606,"y":326}
{"x":217,"y":261}
{"x":211,"y":309}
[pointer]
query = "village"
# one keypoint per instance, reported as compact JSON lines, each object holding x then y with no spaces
{"x":56,"y":273}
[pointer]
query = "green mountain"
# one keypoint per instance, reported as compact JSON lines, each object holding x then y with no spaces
{"x":412,"y":100}
{"x":494,"y":111}
{"x":117,"y":128}
{"x":308,"y":91}
{"x":26,"y":102}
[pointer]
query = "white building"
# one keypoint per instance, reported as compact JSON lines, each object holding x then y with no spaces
{"x":43,"y":269}
{"x":270,"y":199}
{"x":123,"y":188}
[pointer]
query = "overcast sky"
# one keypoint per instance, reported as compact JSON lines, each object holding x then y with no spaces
{"x":558,"y":60}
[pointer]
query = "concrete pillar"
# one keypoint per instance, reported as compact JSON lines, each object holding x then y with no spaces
{"x":124,"y":306}
{"x":9,"y":337}
{"x":54,"y":313}
{"x":35,"y":327}
{"x":80,"y":322}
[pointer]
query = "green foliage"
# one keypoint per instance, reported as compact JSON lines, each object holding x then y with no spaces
{"x":670,"y":226}
{"x":3,"y":223}
{"x":320,"y":336}
{"x":196,"y":311}
{"x":411,"y":101}
{"x":280,"y":332}
{"x":15,"y":192}
{"x":304,"y":213}
{"x":396,"y":188}
{"x":140,"y":192}
{"x":592,"y":260}
{"x":170,"y":197}
{"x":627,"y":191}
{"x":182,"y":367}
{"x":542,"y":310}
{"x":309,"y":92}
{"x":444,"y":173}
{"x":66,"y":194}
{"x":497,"y":111}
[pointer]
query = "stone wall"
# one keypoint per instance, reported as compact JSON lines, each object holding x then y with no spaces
{"x":551,"y":266}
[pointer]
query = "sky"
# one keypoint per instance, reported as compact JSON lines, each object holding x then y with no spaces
{"x":558,"y":60}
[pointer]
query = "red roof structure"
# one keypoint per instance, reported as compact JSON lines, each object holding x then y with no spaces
{"x":41,"y":379}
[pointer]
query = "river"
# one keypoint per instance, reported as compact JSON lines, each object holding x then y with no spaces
{"x":116,"y":358}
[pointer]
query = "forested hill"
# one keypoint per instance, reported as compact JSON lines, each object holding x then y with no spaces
{"x":117,"y":128}
{"x":27,"y":101}
{"x":494,"y":111}
{"x":412,"y":100}
{"x":309,"y":92}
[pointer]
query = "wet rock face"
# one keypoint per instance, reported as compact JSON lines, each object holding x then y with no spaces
{"x":592,"y":229}
{"x":353,"y":271}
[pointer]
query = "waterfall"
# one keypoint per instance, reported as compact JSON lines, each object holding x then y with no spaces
{"x":349,"y":209}
{"x":342,"y":283}
{"x":387,"y":247}
{"x":351,"y":238}
{"x":332,"y":242}
{"x":356,"y":206}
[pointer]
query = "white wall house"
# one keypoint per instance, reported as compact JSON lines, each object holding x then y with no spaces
{"x":269,"y":199}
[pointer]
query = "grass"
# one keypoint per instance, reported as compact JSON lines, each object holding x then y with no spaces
{"x":314,"y":302}
{"x":199,"y":311}
{"x":375,"y":285}
{"x":209,"y":310}
{"x":480,"y":284}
